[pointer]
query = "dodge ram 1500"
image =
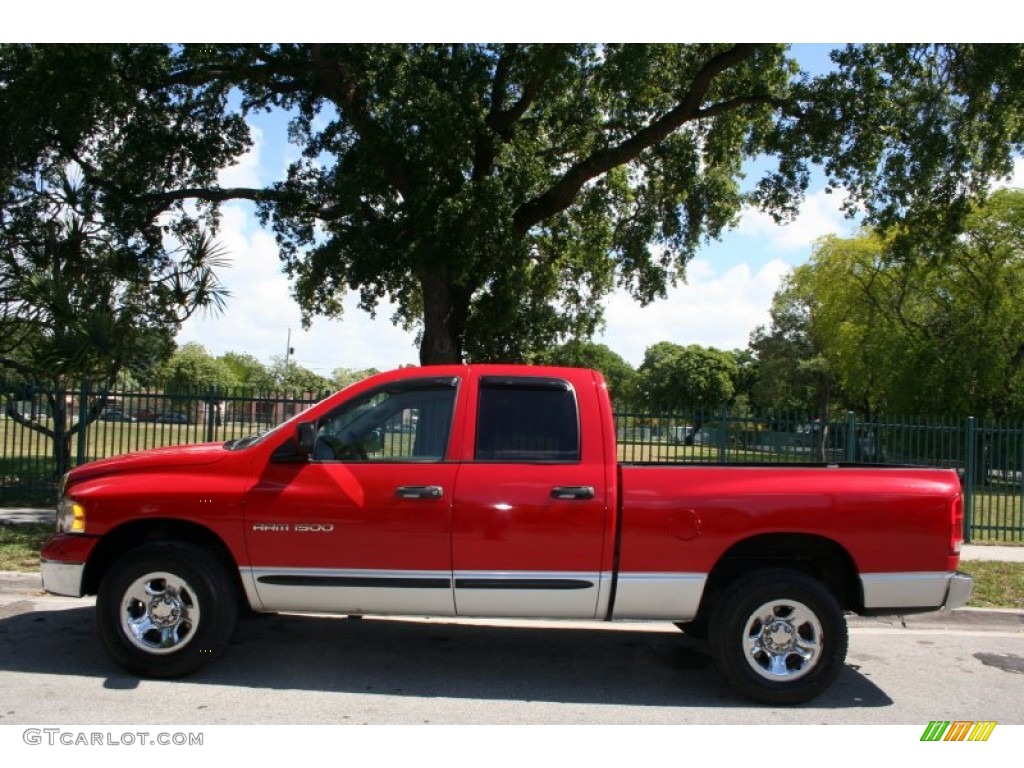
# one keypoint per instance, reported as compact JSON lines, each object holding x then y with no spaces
{"x":496,"y":491}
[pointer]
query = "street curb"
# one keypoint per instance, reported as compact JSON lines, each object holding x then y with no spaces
{"x":1009,"y":619}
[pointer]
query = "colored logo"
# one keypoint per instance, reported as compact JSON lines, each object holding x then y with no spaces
{"x":958,"y":730}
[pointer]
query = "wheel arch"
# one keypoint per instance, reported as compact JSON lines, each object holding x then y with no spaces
{"x":134,"y":534}
{"x":819,"y":557}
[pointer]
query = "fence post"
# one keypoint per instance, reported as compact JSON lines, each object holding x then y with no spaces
{"x":211,"y":413}
{"x":970,"y":467}
{"x":723,"y":435}
{"x":851,"y":436}
{"x":83,"y":423}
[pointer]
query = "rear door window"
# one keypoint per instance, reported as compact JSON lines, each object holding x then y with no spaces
{"x":527,"y":419}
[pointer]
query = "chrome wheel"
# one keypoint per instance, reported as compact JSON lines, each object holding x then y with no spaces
{"x":778,"y":636}
{"x":782,"y":640}
{"x":166,"y":609}
{"x":159,"y":613}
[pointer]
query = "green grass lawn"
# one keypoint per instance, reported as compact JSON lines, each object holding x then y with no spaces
{"x":996,"y":585}
{"x":19,"y":546}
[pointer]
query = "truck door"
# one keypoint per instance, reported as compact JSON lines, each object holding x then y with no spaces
{"x":364,"y":524}
{"x":530,"y":518}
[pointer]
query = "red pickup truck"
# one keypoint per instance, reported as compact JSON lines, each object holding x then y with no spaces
{"x":496,"y":491}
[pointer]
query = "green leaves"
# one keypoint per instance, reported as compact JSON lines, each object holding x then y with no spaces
{"x":914,"y":133}
{"x":929,"y":334}
{"x":498,"y":193}
{"x":673,"y":377}
{"x":79,"y":301}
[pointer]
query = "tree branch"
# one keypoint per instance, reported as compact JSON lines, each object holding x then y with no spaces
{"x":215,"y":194}
{"x":561,"y":194}
{"x":264,"y":76}
{"x":340,"y":86}
{"x":31,"y":424}
{"x":500,"y":122}
{"x":21,"y":368}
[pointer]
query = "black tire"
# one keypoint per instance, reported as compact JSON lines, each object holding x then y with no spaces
{"x":166,"y":609}
{"x":778,"y":636}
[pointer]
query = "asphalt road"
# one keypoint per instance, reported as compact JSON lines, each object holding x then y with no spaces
{"x":286,"y":669}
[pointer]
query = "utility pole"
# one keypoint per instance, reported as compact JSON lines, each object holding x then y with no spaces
{"x":288,"y":351}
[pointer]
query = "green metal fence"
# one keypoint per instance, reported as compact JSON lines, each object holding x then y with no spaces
{"x":988,"y":456}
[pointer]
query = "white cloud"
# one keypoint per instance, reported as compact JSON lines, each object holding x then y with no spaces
{"x":820,"y":215}
{"x":261,"y":310}
{"x":246,"y":171}
{"x":711,"y":309}
{"x":1016,"y":180}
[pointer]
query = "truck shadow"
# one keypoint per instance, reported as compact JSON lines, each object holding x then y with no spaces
{"x":573,"y":665}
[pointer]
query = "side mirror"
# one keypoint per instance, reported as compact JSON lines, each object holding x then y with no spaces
{"x":305,"y":436}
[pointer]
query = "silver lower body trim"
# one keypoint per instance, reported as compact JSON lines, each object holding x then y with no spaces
{"x":62,"y":578}
{"x":671,"y":596}
{"x":505,"y":594}
{"x":531,"y":594}
{"x":919,"y":590}
{"x":322,"y":590}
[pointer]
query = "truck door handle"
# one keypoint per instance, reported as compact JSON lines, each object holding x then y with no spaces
{"x":568,"y":492}
{"x":419,"y":492}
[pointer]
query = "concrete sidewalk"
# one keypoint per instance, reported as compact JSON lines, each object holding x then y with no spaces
{"x":999,"y":554}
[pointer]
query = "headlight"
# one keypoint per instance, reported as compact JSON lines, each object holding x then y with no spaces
{"x":70,"y":517}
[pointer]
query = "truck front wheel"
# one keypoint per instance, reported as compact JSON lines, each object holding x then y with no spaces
{"x":166,"y":609}
{"x":779,"y":636}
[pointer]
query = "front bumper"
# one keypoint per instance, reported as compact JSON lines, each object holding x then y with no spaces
{"x":62,"y":578}
{"x":62,"y":563}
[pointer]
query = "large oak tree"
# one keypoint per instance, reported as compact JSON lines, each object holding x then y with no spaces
{"x":496,"y":193}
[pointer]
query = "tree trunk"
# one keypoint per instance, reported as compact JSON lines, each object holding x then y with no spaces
{"x":445,"y":308}
{"x":60,"y":434}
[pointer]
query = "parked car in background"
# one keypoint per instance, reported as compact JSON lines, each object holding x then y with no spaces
{"x":171,"y":417}
{"x":115,"y":414}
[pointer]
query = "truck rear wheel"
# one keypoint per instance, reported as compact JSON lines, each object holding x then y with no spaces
{"x":779,"y":636}
{"x":166,"y":609}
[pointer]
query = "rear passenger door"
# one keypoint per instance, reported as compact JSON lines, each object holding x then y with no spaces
{"x":530,"y":514}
